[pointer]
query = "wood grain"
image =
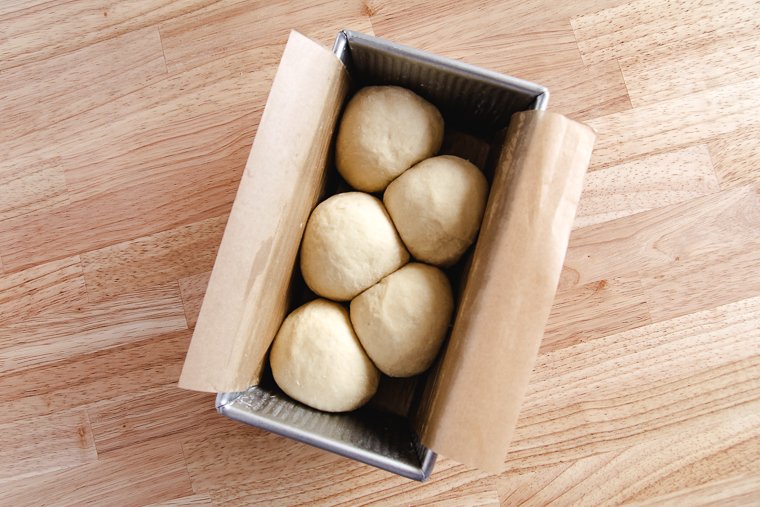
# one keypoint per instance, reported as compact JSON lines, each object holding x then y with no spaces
{"x":53,"y":286}
{"x":130,"y":369}
{"x":542,"y":50}
{"x":583,"y":91}
{"x":38,"y":445}
{"x":124,"y":130}
{"x":144,"y":474}
{"x":610,"y":404}
{"x":24,"y":191}
{"x":152,"y":260}
{"x":69,"y":26}
{"x":342,"y":483}
{"x":650,"y":182}
{"x":192,"y":501}
{"x":642,"y":25}
{"x":736,"y":158}
{"x":658,"y":238}
{"x":221,"y":29}
{"x":200,"y":159}
{"x":667,"y":72}
{"x":123,"y":421}
{"x":49,"y":338}
{"x":633,"y":133}
{"x":735,"y":491}
{"x":619,"y":304}
{"x":85,"y":78}
{"x":695,"y":283}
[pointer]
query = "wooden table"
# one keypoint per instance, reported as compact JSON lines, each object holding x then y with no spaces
{"x":124,"y":130}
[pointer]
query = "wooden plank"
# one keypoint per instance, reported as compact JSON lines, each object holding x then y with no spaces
{"x":85,"y":78}
{"x":668,"y":72}
{"x":575,"y":482}
{"x":701,"y":282}
{"x":583,"y":92}
{"x":144,"y":474}
{"x":660,"y":237}
{"x":736,"y":491}
{"x":152,"y":260}
{"x":471,"y":495}
{"x":595,"y":310}
{"x":193,"y":288}
{"x":202,"y":500}
{"x":538,"y":45}
{"x":88,"y":378}
{"x":394,"y":18}
{"x":546,"y":485}
{"x":243,"y":454}
{"x":52,"y":287}
{"x":37,"y":31}
{"x":124,"y":421}
{"x":346,"y":483}
{"x":182,"y":165}
{"x":141,"y":106}
{"x":37,"y":445}
{"x":616,"y":478}
{"x":643,"y":25}
{"x":24,"y":191}
{"x":736,"y":157}
{"x":739,"y":458}
{"x":646,"y":183}
{"x":50,"y":338}
{"x":679,"y":122}
{"x":594,"y":397}
{"x":224,"y":28}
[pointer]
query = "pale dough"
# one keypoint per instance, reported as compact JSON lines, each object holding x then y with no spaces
{"x":384,"y":131}
{"x":349,"y":244}
{"x":402,"y":321}
{"x":437,"y":206}
{"x":317,"y":359}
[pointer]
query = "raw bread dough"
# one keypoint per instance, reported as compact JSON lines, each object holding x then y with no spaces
{"x":317,"y":359}
{"x":402,"y":321}
{"x":385,"y":130}
{"x":437,"y":206}
{"x":349,"y":244}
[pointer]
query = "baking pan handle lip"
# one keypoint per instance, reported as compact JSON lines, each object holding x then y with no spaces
{"x":343,"y":45}
{"x":329,"y":444}
{"x":225,"y":399}
{"x":542,"y":100}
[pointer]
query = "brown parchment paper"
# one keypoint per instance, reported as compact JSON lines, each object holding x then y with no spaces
{"x":470,"y":407}
{"x":246,"y":298}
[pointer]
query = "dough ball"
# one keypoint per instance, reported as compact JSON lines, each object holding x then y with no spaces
{"x":402,"y":321}
{"x":349,"y":244}
{"x":385,"y":130}
{"x":437,"y":207}
{"x":317,"y":359}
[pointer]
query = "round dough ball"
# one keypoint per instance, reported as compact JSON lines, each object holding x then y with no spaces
{"x":385,"y":130}
{"x":349,"y":244}
{"x":317,"y":359}
{"x":402,"y":321}
{"x":437,"y":207}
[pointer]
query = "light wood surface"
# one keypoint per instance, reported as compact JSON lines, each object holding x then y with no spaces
{"x":124,"y":129}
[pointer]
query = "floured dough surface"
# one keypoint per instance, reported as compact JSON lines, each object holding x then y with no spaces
{"x":384,"y":131}
{"x":402,"y":321}
{"x":348,"y":245}
{"x":317,"y":359}
{"x":437,"y":207}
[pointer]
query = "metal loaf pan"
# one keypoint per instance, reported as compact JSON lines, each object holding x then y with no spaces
{"x":473,"y":100}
